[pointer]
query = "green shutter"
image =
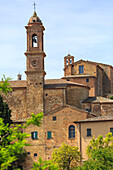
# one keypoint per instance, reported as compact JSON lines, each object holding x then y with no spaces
{"x":32,"y":135}
{"x":49,"y":135}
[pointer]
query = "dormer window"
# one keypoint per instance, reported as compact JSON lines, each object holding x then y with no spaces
{"x":34,"y":40}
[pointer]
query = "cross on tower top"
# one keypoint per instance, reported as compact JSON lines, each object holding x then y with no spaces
{"x":34,"y":6}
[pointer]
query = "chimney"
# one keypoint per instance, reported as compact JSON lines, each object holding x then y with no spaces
{"x":19,"y":77}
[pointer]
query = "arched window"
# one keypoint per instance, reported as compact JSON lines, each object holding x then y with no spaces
{"x":67,"y":61}
{"x":34,"y":40}
{"x":71,"y":131}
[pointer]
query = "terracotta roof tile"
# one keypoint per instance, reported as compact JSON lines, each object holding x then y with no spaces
{"x":96,"y":119}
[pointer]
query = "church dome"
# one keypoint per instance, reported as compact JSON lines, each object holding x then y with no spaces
{"x":34,"y":19}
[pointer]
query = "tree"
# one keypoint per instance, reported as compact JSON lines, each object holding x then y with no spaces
{"x":66,"y":156}
{"x":100,"y":154}
{"x":5,"y":112}
{"x":42,"y":165}
{"x":5,"y":85}
{"x":111,"y":97}
{"x":12,"y":142}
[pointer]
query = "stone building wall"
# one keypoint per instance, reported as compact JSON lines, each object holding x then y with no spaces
{"x":89,"y":68}
{"x":54,"y":98}
{"x":106,"y":79}
{"x":99,"y":82}
{"x":16,"y":100}
{"x":82,"y":80}
{"x":75,"y":95}
{"x":60,"y":128}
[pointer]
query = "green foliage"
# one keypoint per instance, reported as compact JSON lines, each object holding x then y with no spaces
{"x":5,"y":112}
{"x":35,"y":119}
{"x":100,"y":153}
{"x":12,"y":142}
{"x":5,"y":85}
{"x":11,"y":147}
{"x":66,"y":156}
{"x":111,"y":97}
{"x":42,"y":165}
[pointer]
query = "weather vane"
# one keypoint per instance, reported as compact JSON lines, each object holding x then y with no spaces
{"x":34,"y":6}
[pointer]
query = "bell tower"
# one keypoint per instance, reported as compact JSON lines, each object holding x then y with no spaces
{"x":35,"y":65}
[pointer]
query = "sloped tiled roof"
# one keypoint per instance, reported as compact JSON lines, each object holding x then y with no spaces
{"x":92,"y":62}
{"x":18,"y":83}
{"x":96,"y":119}
{"x":97,"y":100}
{"x":61,"y":82}
{"x":49,"y":83}
{"x":78,"y":76}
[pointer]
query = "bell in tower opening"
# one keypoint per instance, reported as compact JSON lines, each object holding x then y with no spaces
{"x":34,"y":40}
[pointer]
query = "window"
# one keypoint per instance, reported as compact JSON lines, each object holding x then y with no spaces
{"x":67,"y":79}
{"x":66,"y":61}
{"x":111,"y":130}
{"x":34,"y":135}
{"x":81,"y":69}
{"x":71,"y":131}
{"x":71,"y":61}
{"x":54,"y":118}
{"x":88,"y":132}
{"x":28,"y":153}
{"x":49,"y":135}
{"x":34,"y":40}
{"x":35,"y":154}
{"x":87,"y":79}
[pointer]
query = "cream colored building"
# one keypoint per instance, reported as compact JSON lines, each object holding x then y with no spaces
{"x":88,"y":128}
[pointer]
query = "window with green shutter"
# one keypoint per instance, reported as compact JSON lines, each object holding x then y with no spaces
{"x":49,"y":136}
{"x":34,"y":135}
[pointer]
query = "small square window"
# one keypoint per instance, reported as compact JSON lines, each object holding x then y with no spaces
{"x":49,"y":136}
{"x":88,"y":132}
{"x":111,"y":130}
{"x":87,"y":79}
{"x":35,"y":154}
{"x":34,"y":135}
{"x":28,"y":153}
{"x":54,"y":118}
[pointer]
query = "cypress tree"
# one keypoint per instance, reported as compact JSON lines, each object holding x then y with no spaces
{"x":5,"y":112}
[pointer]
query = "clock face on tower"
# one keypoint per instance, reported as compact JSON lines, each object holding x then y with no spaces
{"x":34,"y":63}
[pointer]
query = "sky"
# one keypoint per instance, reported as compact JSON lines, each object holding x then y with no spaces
{"x":83,"y":28}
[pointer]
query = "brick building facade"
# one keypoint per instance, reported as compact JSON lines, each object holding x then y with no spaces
{"x":62,"y":101}
{"x":98,"y":76}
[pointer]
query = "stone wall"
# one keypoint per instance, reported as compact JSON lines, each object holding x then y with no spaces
{"x":82,"y":80}
{"x":75,"y":95}
{"x":60,"y":128}
{"x":99,"y":82}
{"x":16,"y":100}
{"x":54,"y":98}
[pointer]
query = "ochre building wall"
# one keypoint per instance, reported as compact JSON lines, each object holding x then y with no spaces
{"x":97,"y":128}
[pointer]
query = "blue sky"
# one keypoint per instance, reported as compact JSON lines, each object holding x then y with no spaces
{"x":82,"y":27}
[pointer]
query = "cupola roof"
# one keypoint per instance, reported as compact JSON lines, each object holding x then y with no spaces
{"x":34,"y":19}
